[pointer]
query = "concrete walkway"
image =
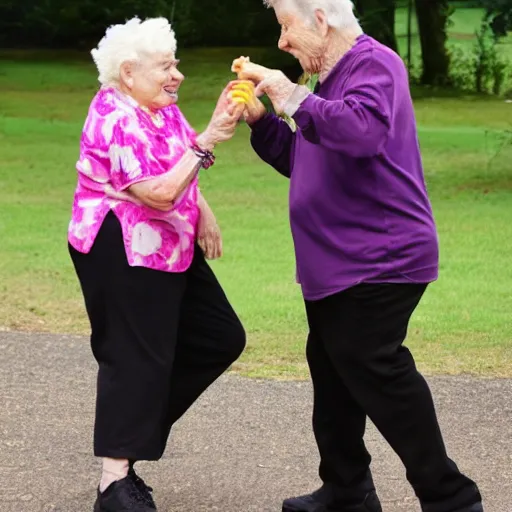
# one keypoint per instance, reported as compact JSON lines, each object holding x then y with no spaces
{"x":243,"y":447}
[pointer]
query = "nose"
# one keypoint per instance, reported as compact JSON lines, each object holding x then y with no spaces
{"x":177,"y":75}
{"x":282,"y":44}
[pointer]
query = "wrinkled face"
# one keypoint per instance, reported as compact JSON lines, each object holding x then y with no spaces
{"x":154,"y":81}
{"x":304,"y":39}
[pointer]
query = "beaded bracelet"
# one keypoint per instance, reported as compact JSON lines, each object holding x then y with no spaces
{"x":207,"y":157}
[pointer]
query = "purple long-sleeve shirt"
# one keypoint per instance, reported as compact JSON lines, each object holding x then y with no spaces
{"x":359,"y":209}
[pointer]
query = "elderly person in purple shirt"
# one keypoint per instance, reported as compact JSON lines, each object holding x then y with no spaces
{"x":366,"y":249}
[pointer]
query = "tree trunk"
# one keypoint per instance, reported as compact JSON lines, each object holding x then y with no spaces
{"x":432,"y":22}
{"x":378,"y":20}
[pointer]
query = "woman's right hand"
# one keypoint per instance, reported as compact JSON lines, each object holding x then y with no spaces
{"x":244,"y":90}
{"x":223,"y":122}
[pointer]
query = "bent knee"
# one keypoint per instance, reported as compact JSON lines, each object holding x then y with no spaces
{"x":235,"y":341}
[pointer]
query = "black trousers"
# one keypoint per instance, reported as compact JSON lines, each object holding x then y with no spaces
{"x":360,"y":368}
{"x":160,"y":339}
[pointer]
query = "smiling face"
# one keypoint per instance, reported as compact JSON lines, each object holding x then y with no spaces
{"x":153,"y":81}
{"x":306,"y":40}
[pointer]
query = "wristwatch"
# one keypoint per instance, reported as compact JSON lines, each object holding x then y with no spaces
{"x":207,"y":157}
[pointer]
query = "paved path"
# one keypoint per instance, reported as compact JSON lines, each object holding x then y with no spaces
{"x":243,"y":447}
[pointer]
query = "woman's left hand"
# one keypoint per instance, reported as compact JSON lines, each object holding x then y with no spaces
{"x":272,"y":82}
{"x":209,"y":236}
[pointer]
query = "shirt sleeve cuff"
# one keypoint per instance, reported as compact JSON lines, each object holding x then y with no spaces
{"x":299,"y":94}
{"x":262,"y":124}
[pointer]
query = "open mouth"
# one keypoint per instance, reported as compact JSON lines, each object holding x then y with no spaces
{"x":171,"y":92}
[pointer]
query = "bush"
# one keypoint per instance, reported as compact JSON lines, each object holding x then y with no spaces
{"x":462,"y":68}
{"x":482,"y":69}
{"x":415,"y":69}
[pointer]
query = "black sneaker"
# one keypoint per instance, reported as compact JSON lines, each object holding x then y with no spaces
{"x":322,"y":501}
{"x":477,"y":507}
{"x":130,"y":494}
{"x":144,"y":489}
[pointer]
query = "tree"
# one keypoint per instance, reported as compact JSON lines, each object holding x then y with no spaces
{"x":432,"y":24}
{"x":81,"y":23}
{"x":499,"y":15}
{"x":378,"y":20}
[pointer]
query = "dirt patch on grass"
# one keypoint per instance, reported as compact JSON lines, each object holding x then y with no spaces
{"x":461,"y":36}
{"x":486,"y":187}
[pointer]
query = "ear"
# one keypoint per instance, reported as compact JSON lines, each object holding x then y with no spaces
{"x":126,"y":73}
{"x":321,"y":22}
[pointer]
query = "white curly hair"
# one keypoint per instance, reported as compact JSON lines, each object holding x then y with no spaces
{"x":131,"y":41}
{"x":340,"y":13}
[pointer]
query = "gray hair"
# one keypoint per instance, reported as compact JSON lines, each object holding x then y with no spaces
{"x":130,"y":41}
{"x":340,"y":13}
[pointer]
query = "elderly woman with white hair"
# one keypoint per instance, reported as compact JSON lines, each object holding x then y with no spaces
{"x":366,"y":249}
{"x":162,"y":327}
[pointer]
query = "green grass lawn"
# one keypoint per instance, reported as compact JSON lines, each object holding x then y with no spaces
{"x":463,"y":324}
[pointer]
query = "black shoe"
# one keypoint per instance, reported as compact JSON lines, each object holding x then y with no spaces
{"x":144,"y":489}
{"x":130,"y":494}
{"x":477,"y":507}
{"x":322,"y":501}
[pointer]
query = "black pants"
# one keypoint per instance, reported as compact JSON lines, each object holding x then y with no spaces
{"x":360,"y":368}
{"x":160,"y":339}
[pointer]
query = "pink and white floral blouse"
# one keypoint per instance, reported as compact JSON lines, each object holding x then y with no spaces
{"x":123,"y":144}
